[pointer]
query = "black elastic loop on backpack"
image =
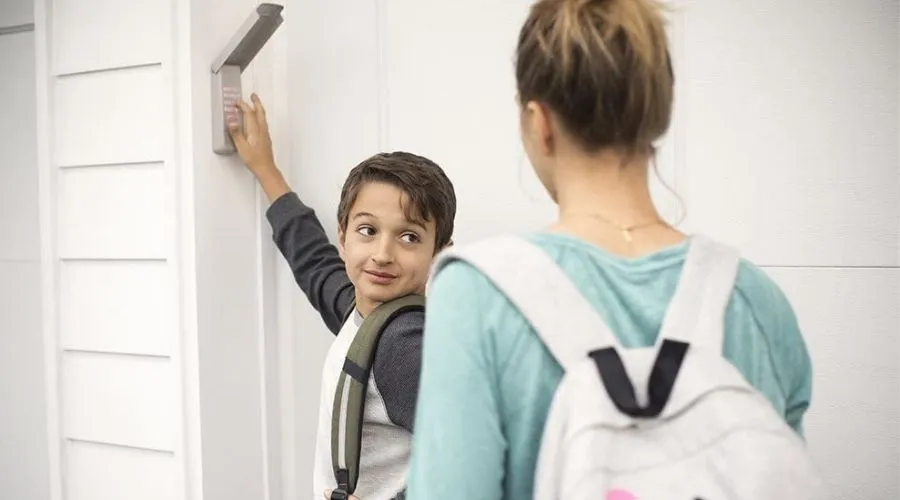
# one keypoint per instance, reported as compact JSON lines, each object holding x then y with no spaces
{"x":662,"y":378}
{"x":356,"y":371}
{"x":343,"y":486}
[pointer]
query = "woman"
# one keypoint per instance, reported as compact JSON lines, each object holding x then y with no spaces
{"x":595,"y":89}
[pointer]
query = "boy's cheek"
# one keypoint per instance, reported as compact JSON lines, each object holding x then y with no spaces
{"x":421,"y":277}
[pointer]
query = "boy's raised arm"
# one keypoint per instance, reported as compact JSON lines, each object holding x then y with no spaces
{"x":316,"y":264}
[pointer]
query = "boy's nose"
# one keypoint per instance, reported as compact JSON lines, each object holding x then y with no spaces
{"x":383,"y":255}
{"x":382,"y":259}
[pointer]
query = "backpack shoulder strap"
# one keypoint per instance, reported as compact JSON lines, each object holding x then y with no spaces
{"x":696,"y":314}
{"x":566,"y":322}
{"x":350,"y":396}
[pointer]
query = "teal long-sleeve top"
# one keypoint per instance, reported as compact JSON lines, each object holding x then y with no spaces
{"x":487,"y":380}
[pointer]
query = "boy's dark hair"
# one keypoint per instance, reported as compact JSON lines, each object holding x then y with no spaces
{"x":431,"y":194}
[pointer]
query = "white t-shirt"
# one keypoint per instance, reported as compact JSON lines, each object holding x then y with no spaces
{"x":384,"y":455}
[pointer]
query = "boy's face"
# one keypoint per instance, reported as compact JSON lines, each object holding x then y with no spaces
{"x":387,"y":255}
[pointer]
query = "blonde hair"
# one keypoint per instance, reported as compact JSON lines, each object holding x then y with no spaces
{"x":602,"y":67}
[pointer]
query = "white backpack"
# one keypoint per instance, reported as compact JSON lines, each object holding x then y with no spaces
{"x":675,"y":421}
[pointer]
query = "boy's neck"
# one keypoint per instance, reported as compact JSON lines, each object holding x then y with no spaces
{"x":364,"y":306}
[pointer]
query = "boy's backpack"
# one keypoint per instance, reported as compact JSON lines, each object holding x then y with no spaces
{"x":350,"y":396}
{"x":675,"y":421}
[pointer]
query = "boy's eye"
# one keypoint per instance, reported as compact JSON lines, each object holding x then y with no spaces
{"x":410,"y":238}
{"x":366,"y":230}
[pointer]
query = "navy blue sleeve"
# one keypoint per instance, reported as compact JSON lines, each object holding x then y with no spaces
{"x":397,"y":364}
{"x":316,"y":264}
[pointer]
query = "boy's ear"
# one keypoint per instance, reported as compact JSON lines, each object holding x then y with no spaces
{"x":445,"y":247}
{"x":341,"y":236}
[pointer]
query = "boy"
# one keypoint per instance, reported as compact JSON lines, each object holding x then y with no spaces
{"x":396,"y":212}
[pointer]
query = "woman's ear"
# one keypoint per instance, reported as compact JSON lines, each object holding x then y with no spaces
{"x":540,"y":126}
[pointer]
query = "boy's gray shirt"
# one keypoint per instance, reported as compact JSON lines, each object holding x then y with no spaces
{"x":321,"y":274}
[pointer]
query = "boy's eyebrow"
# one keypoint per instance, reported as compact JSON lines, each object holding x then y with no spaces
{"x":367,"y":214}
{"x":417,"y":224}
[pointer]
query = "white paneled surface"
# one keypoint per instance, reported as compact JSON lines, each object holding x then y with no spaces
{"x":23,"y":424}
{"x":116,"y":306}
{"x":126,"y":400}
{"x":19,"y":228}
{"x":110,"y":117}
{"x":134,"y":197}
{"x":113,"y":212}
{"x":795,"y":108}
{"x":851,"y":321}
{"x":16,"y":12}
{"x":103,"y":472}
{"x":85,"y":29}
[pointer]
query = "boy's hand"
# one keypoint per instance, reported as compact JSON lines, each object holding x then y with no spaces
{"x":254,"y":146}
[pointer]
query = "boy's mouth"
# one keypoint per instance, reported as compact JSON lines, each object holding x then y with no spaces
{"x":380,"y":278}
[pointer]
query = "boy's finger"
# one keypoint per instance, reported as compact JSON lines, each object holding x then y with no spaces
{"x":250,"y":125}
{"x":234,"y":129}
{"x":257,"y":103}
{"x":260,"y":113}
{"x":244,"y":107}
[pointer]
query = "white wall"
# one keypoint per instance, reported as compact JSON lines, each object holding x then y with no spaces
{"x":802,"y":118}
{"x":24,"y":463}
{"x":154,"y":337}
{"x":241,"y":452}
{"x":785,"y":143}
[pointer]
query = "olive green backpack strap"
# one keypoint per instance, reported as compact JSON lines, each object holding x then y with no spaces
{"x":350,"y":396}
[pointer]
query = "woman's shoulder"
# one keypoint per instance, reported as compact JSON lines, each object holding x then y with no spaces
{"x":758,"y":289}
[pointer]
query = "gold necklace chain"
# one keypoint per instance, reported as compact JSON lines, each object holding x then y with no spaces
{"x":625,"y":230}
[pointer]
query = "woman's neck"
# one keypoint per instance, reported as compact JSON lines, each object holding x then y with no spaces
{"x":608,"y":202}
{"x":603,"y":185}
